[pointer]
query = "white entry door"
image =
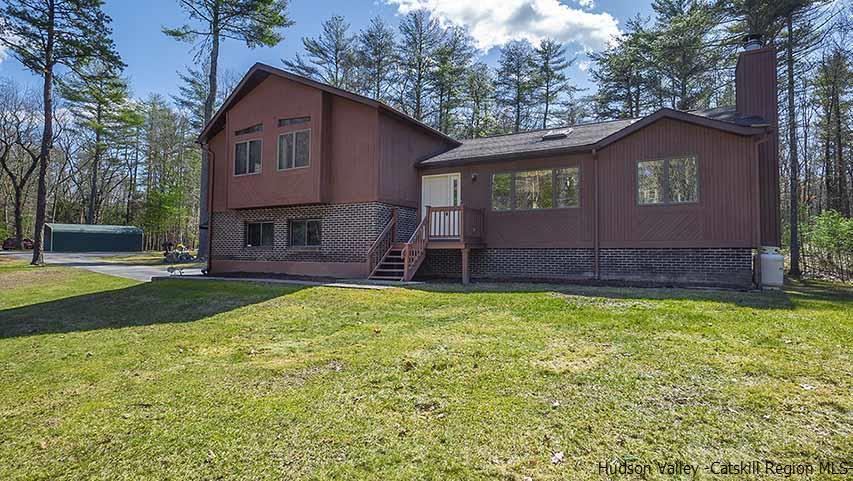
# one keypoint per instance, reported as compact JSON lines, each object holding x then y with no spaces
{"x":441,"y":191}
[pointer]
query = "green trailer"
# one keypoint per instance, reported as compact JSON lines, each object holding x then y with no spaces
{"x":92,"y":238}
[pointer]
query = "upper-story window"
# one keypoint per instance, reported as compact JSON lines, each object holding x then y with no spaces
{"x":247,"y":157}
{"x":668,"y":181}
{"x":250,"y":130}
{"x":293,"y":121}
{"x":536,"y":189}
{"x":294,"y":149}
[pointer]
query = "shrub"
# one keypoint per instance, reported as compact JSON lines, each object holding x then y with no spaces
{"x":827,"y":243}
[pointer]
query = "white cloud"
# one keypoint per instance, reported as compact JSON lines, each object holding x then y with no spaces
{"x":586,"y":3}
{"x":584,"y":65}
{"x":495,"y":22}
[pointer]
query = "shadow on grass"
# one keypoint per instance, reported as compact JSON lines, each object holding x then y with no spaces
{"x":140,"y":305}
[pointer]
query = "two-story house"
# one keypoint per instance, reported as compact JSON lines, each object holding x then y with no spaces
{"x":311,"y":180}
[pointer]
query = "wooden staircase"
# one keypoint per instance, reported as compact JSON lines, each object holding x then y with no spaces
{"x":392,"y":266}
{"x":454,"y":227}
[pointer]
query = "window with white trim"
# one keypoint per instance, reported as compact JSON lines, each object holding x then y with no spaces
{"x":294,"y":149}
{"x":247,"y":157}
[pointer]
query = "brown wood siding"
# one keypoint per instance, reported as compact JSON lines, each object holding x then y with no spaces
{"x":568,"y":227}
{"x":401,"y":147}
{"x":352,"y":160}
{"x":722,"y":217}
{"x":273,"y":99}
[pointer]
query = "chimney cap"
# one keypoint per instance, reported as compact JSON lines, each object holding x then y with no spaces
{"x":753,"y":41}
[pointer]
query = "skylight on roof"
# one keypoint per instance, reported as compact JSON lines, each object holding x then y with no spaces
{"x":556,"y":134}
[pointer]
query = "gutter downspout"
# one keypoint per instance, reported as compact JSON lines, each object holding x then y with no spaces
{"x":756,"y":236}
{"x":211,"y":159}
{"x":596,"y":246}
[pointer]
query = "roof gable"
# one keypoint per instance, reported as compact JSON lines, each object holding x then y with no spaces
{"x":260,"y":72}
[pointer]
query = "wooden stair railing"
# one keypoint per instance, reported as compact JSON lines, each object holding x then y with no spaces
{"x":382,"y":245}
{"x":414,"y":251}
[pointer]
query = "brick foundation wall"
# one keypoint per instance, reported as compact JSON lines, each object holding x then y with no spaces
{"x":348,"y":230}
{"x":713,"y":266}
{"x":512,"y":263}
{"x":721,"y":267}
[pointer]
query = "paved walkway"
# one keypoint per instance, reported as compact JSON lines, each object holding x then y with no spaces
{"x":94,"y":261}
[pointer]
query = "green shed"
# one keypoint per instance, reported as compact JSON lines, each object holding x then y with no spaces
{"x":92,"y":238}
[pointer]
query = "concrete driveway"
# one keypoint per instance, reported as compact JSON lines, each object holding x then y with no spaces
{"x":94,"y":261}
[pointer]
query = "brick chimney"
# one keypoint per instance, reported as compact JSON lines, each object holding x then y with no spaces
{"x":757,"y":95}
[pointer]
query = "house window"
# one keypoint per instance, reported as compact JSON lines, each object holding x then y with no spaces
{"x":305,"y":233}
{"x":247,"y":157}
{"x":259,"y":234}
{"x":294,"y":149}
{"x":668,"y":181}
{"x":250,"y":130}
{"x":293,"y":121}
{"x":536,"y":189}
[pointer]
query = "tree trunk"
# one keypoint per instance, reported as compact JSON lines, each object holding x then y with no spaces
{"x":794,"y":160}
{"x":19,"y":216}
{"x":209,"y":103}
{"x":840,"y":178}
{"x":46,"y":138}
{"x":96,"y":161}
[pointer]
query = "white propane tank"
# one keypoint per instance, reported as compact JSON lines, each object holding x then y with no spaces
{"x":772,"y":265}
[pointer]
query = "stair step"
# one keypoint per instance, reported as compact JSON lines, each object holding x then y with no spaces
{"x":396,"y":271}
{"x":387,"y":278}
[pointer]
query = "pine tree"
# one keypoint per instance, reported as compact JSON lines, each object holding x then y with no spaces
{"x":375,"y":58}
{"x":254,"y":22}
{"x":682,"y":52}
{"x":517,"y":81}
{"x":452,"y":60}
{"x":621,"y":76}
{"x":331,"y":56}
{"x":480,"y":90}
{"x":420,"y":36}
{"x":551,"y":65}
{"x":44,"y":35}
{"x":98,"y":100}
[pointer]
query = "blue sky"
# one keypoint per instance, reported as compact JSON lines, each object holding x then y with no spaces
{"x":153,"y":60}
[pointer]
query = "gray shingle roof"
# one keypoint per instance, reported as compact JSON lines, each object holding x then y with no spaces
{"x":95,"y":229}
{"x":730,"y":115}
{"x":582,"y":137}
{"x":529,"y":142}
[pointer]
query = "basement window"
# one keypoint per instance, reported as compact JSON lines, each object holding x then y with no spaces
{"x":668,"y":181}
{"x":259,"y":234}
{"x":306,"y":233}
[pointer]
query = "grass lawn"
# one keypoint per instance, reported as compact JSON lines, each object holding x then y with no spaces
{"x":104,"y":378}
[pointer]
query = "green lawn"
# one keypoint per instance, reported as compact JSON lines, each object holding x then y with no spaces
{"x":104,"y":378}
